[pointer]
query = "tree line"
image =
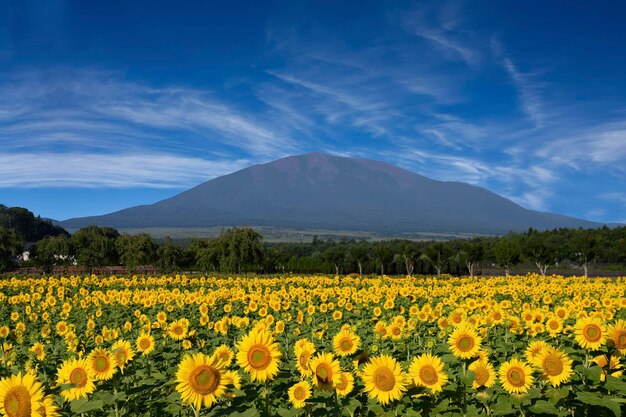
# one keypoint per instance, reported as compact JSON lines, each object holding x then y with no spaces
{"x":242,"y":250}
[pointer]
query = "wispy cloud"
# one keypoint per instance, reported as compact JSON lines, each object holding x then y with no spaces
{"x":83,"y":127}
{"x":150,"y":170}
{"x":439,"y":24}
{"x":528,"y":88}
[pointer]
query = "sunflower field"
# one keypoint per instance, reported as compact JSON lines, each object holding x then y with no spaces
{"x":312,"y":346}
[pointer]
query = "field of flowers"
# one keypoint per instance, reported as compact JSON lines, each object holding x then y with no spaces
{"x":312,"y":346}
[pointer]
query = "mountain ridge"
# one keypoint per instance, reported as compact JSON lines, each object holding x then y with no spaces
{"x":318,"y":190}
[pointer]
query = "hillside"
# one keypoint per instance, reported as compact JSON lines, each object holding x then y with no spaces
{"x":319,"y":191}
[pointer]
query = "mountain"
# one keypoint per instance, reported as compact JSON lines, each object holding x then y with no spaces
{"x":320,"y":191}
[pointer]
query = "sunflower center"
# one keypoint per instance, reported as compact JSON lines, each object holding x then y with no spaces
{"x":144,"y":344}
{"x":204,"y":379}
{"x":259,"y":357}
{"x":396,"y":331}
{"x":178,"y":330}
{"x":554,"y":325}
{"x":343,"y":383}
{"x":592,"y":332}
{"x":101,"y":364}
{"x":552,"y":365}
{"x":78,"y":377}
{"x":304,"y":358}
{"x":465,"y":343}
{"x":497,"y":316}
{"x":121,"y":356}
{"x":428,"y":375}
{"x":516,"y":377}
{"x":299,"y":393}
{"x":482,"y":375}
{"x":621,"y":340}
{"x":561,"y":314}
{"x":323,"y":372}
{"x":346,"y":344}
{"x":384,"y":379}
{"x":17,"y":402}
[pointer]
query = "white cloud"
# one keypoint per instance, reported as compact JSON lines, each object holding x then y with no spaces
{"x":99,"y":109}
{"x":150,"y":170}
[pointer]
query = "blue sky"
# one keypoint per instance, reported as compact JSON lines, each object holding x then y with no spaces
{"x":105,"y":105}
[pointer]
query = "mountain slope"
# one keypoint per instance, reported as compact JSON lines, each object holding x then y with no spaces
{"x":329,"y":192}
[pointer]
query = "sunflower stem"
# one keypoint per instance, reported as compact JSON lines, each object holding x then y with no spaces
{"x":464,"y":387}
{"x":267,"y":398}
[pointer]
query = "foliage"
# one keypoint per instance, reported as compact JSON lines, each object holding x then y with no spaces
{"x":26,"y":225}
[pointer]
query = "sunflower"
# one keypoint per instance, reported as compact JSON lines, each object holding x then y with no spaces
{"x":485,"y":374}
{"x":177,"y":330}
{"x":225,"y":354}
{"x":145,"y":344}
{"x":384,"y":379}
{"x":516,"y":376}
{"x":38,"y":350}
{"x":21,"y":395}
{"x":123,"y":353}
{"x":556,"y":366}
{"x":48,"y":408}
{"x":534,"y":349}
{"x":427,"y":371}
{"x":232,"y":378}
{"x":75,"y":372}
{"x":200,"y":380}
{"x":101,"y":364}
{"x":345,"y":385}
{"x":590,"y":332}
{"x":617,"y":334}
{"x":554,"y":325}
{"x":299,"y":393}
{"x":258,"y":355}
{"x":464,"y":341}
{"x":395,"y":331}
{"x":325,"y":370}
{"x":346,"y":343}
{"x":303,"y":351}
{"x":615,"y":368}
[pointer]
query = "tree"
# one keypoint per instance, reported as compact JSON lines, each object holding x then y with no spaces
{"x":382,"y":255}
{"x":471,"y":254}
{"x":583,"y":248}
{"x":537,"y":248}
{"x":168,"y":255}
{"x":360,"y":254}
{"x":51,"y":251}
{"x":207,"y":255}
{"x":437,"y":254}
{"x":335,"y":256}
{"x":95,"y":246}
{"x":409,"y":254}
{"x":508,"y":252}
{"x":136,"y":250}
{"x":11,"y":246}
{"x":241,"y":250}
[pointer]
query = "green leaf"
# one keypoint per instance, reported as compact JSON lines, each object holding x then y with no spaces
{"x":615,"y":384}
{"x":284,"y":412}
{"x":593,"y":398}
{"x":554,"y":395}
{"x":469,"y":378}
{"x":85,"y":406}
{"x":543,"y":407}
